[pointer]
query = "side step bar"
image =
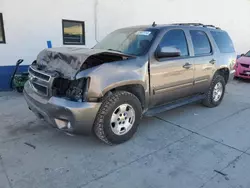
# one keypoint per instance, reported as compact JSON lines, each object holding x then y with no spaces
{"x":153,"y":111}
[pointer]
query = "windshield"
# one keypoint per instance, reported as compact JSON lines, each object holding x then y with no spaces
{"x":247,"y":54}
{"x":129,"y":41}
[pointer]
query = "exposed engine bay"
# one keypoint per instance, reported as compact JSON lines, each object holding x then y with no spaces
{"x":74,"y":90}
{"x":101,"y":58}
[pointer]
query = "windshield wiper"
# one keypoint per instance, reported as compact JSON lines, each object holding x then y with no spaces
{"x":130,"y":55}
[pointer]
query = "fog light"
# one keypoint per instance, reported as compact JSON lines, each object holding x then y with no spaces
{"x":61,"y":124}
{"x":69,"y":125}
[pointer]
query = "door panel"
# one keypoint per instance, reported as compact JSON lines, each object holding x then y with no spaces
{"x":204,"y":60}
{"x":170,"y":80}
{"x":203,"y":74}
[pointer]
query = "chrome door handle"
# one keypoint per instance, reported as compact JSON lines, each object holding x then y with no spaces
{"x":213,"y":61}
{"x":187,"y":66}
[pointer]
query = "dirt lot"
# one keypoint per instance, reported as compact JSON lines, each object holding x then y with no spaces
{"x":191,"y":146}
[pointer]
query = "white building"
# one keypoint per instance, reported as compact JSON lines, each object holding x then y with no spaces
{"x":27,"y":25}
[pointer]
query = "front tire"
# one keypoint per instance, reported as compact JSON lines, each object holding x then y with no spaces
{"x":215,"y":92}
{"x":118,"y":118}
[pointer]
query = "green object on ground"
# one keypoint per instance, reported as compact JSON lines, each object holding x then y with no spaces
{"x":19,"y":81}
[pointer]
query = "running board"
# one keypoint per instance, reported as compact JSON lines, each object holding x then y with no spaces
{"x":172,"y":105}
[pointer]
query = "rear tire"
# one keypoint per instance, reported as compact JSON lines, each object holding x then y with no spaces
{"x":105,"y":129}
{"x":215,"y":92}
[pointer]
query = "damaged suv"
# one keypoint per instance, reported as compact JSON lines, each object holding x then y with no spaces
{"x":133,"y":72}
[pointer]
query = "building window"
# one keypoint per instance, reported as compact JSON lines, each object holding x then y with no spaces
{"x":73,"y":32}
{"x":2,"y":36}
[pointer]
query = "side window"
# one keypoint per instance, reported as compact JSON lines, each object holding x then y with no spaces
{"x":177,"y":39}
{"x":201,"y":43}
{"x":223,"y":41}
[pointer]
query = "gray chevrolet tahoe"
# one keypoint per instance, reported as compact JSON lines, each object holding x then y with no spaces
{"x":134,"y":71}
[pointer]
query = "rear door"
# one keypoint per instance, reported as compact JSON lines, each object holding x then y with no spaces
{"x":171,"y":78}
{"x":204,"y":59}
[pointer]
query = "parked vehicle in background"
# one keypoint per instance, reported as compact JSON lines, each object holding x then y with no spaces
{"x":134,"y":71}
{"x":242,"y":66}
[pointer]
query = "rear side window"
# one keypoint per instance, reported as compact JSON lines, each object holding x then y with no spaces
{"x":223,"y":42}
{"x":175,"y":38}
{"x":201,"y":43}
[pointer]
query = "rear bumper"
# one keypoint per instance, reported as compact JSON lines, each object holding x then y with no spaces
{"x":81,"y":115}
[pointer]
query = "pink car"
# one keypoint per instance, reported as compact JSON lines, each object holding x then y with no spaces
{"x":242,"y":66}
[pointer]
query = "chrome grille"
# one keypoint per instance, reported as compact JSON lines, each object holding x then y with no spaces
{"x":39,"y":74}
{"x":40,"y":81}
{"x":40,"y":88}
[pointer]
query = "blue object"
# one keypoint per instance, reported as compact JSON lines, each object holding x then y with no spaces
{"x":6,"y":73}
{"x":49,"y":44}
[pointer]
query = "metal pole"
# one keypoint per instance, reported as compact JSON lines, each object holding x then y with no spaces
{"x":96,"y":20}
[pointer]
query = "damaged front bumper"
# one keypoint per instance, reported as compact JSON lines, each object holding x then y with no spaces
{"x":69,"y":116}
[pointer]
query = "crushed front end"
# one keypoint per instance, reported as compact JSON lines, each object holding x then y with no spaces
{"x":59,"y":91}
{"x":60,"y":101}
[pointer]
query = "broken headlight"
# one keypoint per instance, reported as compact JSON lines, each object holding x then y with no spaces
{"x":76,"y":90}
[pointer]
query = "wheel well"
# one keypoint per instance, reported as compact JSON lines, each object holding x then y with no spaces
{"x":136,"y":89}
{"x":223,"y":72}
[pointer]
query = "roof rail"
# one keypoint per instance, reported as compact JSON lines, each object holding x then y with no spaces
{"x":196,"y":24}
{"x":191,"y":24}
{"x":212,"y":26}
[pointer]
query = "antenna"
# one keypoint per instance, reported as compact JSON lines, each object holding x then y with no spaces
{"x":154,"y":24}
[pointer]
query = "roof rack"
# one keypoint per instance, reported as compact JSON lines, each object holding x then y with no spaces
{"x":212,"y":26}
{"x":197,"y":24}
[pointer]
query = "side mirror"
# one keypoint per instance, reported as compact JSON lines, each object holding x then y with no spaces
{"x":165,"y":52}
{"x":242,"y":55}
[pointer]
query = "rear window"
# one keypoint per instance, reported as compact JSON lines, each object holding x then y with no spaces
{"x":223,"y":42}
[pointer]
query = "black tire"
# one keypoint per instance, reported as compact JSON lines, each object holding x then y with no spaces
{"x":209,"y":101}
{"x":102,"y":128}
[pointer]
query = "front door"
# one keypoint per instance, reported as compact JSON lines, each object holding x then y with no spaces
{"x":171,"y":78}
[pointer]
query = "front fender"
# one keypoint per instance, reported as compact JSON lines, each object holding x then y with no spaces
{"x":112,"y":75}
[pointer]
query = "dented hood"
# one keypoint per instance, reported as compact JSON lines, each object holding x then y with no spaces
{"x":68,"y":61}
